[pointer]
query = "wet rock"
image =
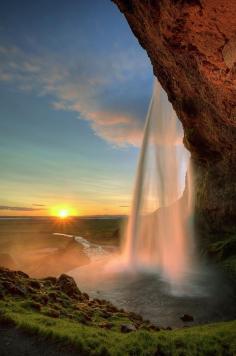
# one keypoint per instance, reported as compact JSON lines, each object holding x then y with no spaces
{"x":35,"y":284}
{"x":41,"y":298}
{"x":112,"y":309}
{"x":51,"y":280}
{"x":57,"y":307}
{"x":31,"y":290}
{"x":44,"y":299}
{"x":22,"y":274}
{"x":104,"y":314}
{"x":85,"y":296}
{"x":5,"y":273}
{"x":14,"y":289}
{"x":187,"y":318}
{"x":127,"y":328}
{"x":103,"y":301}
{"x":52,"y":296}
{"x":68,"y":286}
{"x":155,"y":328}
{"x":135,"y":316}
{"x":97,"y":301}
{"x":87,"y":317}
{"x":70,"y":302}
{"x":18,"y":291}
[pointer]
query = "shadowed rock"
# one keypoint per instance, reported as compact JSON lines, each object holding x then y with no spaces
{"x":127,"y":328}
{"x":192,"y":47}
{"x":187,"y":318}
{"x":68,"y":286}
{"x":62,"y":298}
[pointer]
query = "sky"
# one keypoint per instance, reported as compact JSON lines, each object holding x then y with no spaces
{"x":74,"y":91}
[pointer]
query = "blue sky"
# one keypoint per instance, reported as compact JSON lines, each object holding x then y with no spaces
{"x":74,"y":90}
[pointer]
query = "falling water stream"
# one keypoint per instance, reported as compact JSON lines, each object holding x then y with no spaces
{"x":158,"y":233}
{"x":157,"y":274}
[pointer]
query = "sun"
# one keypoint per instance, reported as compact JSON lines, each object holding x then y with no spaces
{"x":63,"y":213}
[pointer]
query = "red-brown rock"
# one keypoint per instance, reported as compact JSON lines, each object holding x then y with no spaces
{"x":192,"y":47}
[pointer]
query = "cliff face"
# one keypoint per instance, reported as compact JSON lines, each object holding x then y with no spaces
{"x":192,"y":47}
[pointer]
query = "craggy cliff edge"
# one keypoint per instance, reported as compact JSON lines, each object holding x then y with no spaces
{"x":192,"y":47}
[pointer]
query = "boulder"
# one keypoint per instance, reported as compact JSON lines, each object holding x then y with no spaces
{"x":35,"y":284}
{"x":14,"y":289}
{"x":127,"y":328}
{"x":51,"y":280}
{"x":187,"y":318}
{"x":68,"y":286}
{"x":85,"y":296}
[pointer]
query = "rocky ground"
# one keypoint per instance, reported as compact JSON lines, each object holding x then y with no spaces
{"x":51,"y":316}
{"x":61,"y":298}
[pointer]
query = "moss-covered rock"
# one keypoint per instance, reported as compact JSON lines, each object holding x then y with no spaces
{"x":80,"y":325}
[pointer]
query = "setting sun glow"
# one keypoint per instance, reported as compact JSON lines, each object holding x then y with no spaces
{"x":63,"y":214}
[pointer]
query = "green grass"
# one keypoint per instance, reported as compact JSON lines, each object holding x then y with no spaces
{"x":224,"y":253}
{"x":213,"y":339}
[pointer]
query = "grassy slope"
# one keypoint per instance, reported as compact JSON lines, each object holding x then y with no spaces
{"x":215,"y":339}
{"x":212,"y":339}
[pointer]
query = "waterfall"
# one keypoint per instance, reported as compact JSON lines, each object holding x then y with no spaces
{"x":158,"y":235}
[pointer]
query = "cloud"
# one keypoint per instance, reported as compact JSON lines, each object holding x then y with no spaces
{"x":38,"y":204}
{"x":117,"y":128}
{"x":101,"y":90}
{"x":18,"y":208}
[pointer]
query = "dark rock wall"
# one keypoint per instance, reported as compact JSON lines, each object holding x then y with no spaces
{"x":192,"y":47}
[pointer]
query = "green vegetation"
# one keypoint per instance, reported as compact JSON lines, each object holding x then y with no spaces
{"x":55,"y":309}
{"x":215,"y":339}
{"x":223,"y":249}
{"x":224,"y":253}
